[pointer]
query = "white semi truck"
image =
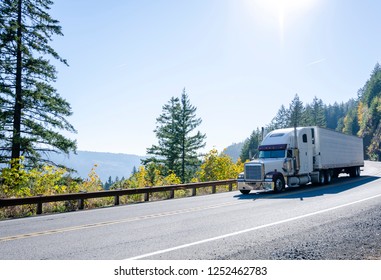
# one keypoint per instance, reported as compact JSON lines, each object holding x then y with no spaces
{"x":293,"y":157}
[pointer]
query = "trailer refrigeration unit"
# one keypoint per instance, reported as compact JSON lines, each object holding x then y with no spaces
{"x":293,"y":157}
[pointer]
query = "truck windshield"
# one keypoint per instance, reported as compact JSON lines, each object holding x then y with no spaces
{"x":272,"y":154}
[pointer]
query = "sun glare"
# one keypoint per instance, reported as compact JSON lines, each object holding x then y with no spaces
{"x":290,"y":7}
{"x":285,"y":12}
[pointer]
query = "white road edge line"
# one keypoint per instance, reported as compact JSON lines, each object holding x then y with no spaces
{"x":249,"y":229}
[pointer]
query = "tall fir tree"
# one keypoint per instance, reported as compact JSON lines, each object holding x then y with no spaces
{"x":167,"y":151}
{"x":333,"y":113}
{"x":296,"y":112}
{"x":316,"y":113}
{"x":32,"y":112}
{"x":190,"y":144}
{"x":281,"y":120}
{"x":250,"y":146}
{"x":177,"y":147}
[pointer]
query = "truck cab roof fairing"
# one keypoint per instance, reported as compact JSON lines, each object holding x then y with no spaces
{"x":272,"y":147}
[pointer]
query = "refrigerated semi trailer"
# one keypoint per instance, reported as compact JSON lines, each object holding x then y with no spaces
{"x":293,"y":157}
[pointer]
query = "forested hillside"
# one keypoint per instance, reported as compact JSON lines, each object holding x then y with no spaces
{"x":364,"y":119}
{"x":359,"y":116}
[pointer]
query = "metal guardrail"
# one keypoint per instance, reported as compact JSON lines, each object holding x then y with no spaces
{"x":82,"y":196}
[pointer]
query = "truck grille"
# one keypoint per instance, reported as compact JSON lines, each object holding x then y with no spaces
{"x":253,"y":172}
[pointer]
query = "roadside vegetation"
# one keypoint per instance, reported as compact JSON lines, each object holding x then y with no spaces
{"x":20,"y":181}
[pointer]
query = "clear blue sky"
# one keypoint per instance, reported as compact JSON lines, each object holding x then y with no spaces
{"x":239,"y":61}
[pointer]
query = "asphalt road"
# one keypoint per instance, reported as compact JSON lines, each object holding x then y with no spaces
{"x":338,"y":221}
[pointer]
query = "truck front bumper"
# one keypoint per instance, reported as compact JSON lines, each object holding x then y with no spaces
{"x":266,"y":185}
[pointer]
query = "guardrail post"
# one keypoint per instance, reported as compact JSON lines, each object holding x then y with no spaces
{"x":194,"y":191}
{"x":230,"y":187}
{"x":116,"y":198}
{"x":172,"y":194}
{"x":146,"y":196}
{"x":39,"y":208}
{"x":81,"y":202}
{"x":214,"y":188}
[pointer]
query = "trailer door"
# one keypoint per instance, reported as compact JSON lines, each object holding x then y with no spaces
{"x":305,"y":151}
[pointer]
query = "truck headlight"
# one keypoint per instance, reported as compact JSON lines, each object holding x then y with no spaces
{"x":269,"y":176}
{"x":241,"y":176}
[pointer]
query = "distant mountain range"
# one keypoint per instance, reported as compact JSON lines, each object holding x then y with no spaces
{"x":112,"y":164}
{"x":234,"y":151}
{"x":108,"y":164}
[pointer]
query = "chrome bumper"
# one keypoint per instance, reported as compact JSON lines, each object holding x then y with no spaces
{"x":266,"y":185}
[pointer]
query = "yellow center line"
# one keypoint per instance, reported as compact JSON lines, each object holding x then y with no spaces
{"x":114,"y":222}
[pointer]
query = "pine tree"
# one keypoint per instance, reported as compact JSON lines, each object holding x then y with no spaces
{"x":32,"y":112}
{"x":296,"y":112}
{"x":189,"y":144}
{"x":281,"y":120}
{"x":108,"y":183}
{"x":250,"y":147}
{"x":315,"y":113}
{"x":134,"y":170}
{"x":333,"y":114}
{"x":177,"y":147}
{"x":167,"y":151}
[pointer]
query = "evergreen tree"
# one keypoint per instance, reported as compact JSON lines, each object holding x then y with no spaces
{"x":307,"y":116}
{"x":333,"y":113}
{"x":315,"y":113}
{"x":108,"y":184}
{"x":281,"y":120}
{"x":152,"y":174}
{"x":250,"y":147}
{"x":32,"y":112}
{"x":177,"y":147}
{"x":189,"y":144}
{"x":167,"y":151}
{"x":350,"y":122}
{"x":296,"y":112}
{"x":134,"y":170}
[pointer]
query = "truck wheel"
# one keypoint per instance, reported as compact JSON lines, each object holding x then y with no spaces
{"x":321,"y":177}
{"x":245,"y":191}
{"x":328,"y":176}
{"x":278,"y":184}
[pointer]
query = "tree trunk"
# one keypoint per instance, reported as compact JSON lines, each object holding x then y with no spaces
{"x":16,"y":140}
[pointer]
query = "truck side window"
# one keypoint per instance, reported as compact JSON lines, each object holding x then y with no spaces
{"x":304,"y":138}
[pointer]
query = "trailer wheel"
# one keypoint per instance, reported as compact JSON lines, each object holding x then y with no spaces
{"x":355,"y":172}
{"x":279,"y":184}
{"x":245,"y":191}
